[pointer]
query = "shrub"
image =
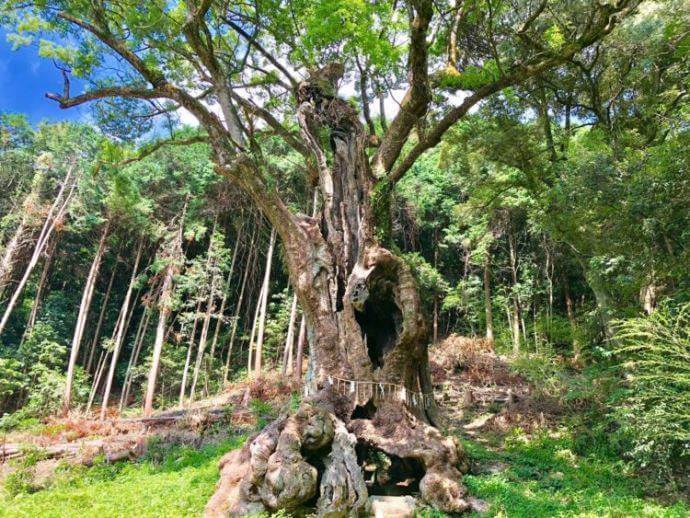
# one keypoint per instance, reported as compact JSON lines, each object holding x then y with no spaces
{"x":40,"y":366}
{"x":653,"y":406}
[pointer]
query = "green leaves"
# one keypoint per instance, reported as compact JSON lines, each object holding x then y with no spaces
{"x":653,"y":355}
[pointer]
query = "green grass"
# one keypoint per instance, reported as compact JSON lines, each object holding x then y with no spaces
{"x":170,"y":482}
{"x":545,"y":478}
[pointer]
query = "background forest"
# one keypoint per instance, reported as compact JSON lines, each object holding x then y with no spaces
{"x":553,"y":222}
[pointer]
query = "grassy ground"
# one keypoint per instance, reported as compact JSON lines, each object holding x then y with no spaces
{"x":541,"y":477}
{"x":169,"y":482}
{"x":544,"y":477}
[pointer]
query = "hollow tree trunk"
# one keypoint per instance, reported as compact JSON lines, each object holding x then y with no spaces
{"x":368,"y":388}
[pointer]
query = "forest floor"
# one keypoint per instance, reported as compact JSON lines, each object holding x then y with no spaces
{"x":524,"y":458}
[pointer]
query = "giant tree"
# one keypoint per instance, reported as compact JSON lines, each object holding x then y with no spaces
{"x":248,"y":72}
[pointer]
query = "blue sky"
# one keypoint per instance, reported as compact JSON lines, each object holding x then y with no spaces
{"x":24,"y":80}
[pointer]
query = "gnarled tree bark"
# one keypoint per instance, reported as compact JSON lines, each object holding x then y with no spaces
{"x":368,"y":388}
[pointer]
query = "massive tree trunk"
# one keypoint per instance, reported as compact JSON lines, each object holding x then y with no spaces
{"x":368,"y":391}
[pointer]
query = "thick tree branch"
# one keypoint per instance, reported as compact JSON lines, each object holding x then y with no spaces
{"x":268,"y":117}
{"x":270,"y":57}
{"x":606,"y":19}
{"x":128,"y":92}
{"x":416,"y":101}
{"x":154,"y":77}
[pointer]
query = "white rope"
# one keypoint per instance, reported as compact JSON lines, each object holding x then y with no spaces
{"x":409,"y":397}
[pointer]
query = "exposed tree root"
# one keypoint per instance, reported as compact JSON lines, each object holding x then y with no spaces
{"x":310,"y":458}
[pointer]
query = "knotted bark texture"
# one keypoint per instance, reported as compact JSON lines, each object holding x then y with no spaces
{"x":365,"y":324}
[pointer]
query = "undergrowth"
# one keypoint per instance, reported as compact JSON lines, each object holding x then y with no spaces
{"x":544,"y":476}
{"x":178,"y":483}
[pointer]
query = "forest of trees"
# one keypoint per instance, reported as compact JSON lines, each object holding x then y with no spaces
{"x":532,"y":181}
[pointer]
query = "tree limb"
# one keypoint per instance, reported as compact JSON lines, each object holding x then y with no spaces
{"x":416,"y":101}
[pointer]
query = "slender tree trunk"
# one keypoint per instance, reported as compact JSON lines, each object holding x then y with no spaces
{"x":136,"y":349}
{"x":224,"y":300}
{"x":190,"y":347}
{"x":382,"y":113}
{"x":251,"y":255}
{"x":15,"y":243}
{"x":164,"y":308}
{"x":301,"y":340}
{"x":264,"y":304}
{"x":202,"y":347}
{"x":185,"y":371}
{"x":41,"y":286}
{"x":435,"y":316}
{"x":10,"y":253}
{"x":252,"y":335}
{"x":56,"y":213}
{"x":543,"y":109}
{"x":84,"y":308}
{"x":99,"y":324}
{"x":120,"y":336}
{"x":289,"y":340}
{"x":207,"y":322}
{"x":488,"y":308}
{"x":97,"y":379}
{"x":517,"y":317}
{"x":163,"y":315}
{"x":569,"y":306}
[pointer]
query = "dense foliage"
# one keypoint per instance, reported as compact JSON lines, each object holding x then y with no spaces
{"x":549,"y":215}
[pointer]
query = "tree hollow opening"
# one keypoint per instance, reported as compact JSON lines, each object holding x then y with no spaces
{"x":380,"y":318}
{"x":386,"y":474}
{"x":366,"y":411}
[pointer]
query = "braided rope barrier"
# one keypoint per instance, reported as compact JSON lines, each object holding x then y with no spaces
{"x":381,"y":390}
